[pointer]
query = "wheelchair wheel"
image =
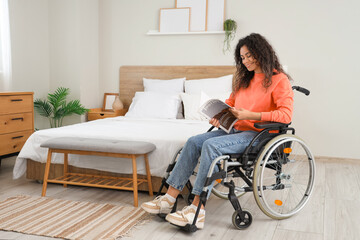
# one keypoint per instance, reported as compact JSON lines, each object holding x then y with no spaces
{"x":221,"y":191}
{"x":242,"y":224}
{"x":284,"y":176}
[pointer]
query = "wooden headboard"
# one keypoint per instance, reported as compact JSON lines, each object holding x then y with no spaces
{"x":131,"y":77}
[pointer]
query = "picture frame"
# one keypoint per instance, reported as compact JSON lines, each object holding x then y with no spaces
{"x":198,"y":18}
{"x":215,"y":15}
{"x":174,"y":20}
{"x":109,"y":99}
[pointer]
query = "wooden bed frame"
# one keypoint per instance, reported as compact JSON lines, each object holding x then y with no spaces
{"x":131,"y":81}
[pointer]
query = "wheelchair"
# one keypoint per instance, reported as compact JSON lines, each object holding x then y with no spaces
{"x":279,"y":170}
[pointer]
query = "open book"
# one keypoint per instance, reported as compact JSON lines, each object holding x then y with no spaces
{"x":215,"y":108}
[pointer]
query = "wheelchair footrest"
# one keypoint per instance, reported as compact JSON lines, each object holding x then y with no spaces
{"x":189,"y":228}
{"x":162,"y":215}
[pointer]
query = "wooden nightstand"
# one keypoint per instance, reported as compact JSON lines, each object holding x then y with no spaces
{"x":97,"y":113}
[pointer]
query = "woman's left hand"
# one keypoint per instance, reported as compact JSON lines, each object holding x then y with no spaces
{"x":215,"y":122}
{"x":243,"y":114}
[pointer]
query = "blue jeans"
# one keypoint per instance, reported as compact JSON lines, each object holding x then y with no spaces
{"x":207,"y":146}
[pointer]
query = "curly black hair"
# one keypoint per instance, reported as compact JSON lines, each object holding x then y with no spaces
{"x":265,"y":55}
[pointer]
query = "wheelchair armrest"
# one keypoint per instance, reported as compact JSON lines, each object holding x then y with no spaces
{"x":265,"y":125}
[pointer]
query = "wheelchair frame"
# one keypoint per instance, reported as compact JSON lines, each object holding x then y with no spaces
{"x":246,"y":166}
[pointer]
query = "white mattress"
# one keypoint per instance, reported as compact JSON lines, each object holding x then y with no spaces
{"x":168,"y":136}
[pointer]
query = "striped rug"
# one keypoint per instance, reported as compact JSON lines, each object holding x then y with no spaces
{"x":67,"y":219}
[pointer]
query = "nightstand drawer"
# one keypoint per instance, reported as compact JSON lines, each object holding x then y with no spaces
{"x":100,"y":115}
{"x":13,"y":142}
{"x":16,"y":104}
{"x":16,"y":122}
{"x":96,"y":113}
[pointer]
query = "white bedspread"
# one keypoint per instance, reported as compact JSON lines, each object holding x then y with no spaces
{"x":168,"y":136}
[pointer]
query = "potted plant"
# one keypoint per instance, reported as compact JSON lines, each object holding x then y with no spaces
{"x":230,"y":30}
{"x":55,"y":107}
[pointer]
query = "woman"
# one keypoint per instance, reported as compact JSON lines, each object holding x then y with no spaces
{"x":261,"y":92}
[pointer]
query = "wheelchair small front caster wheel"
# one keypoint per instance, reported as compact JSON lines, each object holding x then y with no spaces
{"x":241,"y":222}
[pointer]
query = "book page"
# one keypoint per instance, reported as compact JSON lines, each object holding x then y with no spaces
{"x":212,"y":107}
{"x":215,"y":108}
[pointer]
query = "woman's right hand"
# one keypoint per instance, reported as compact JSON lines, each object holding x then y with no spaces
{"x":215,"y":122}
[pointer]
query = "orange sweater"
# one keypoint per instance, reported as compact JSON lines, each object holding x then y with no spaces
{"x":274,"y":103}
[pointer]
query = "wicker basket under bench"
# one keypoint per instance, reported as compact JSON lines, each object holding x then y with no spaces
{"x":98,"y":147}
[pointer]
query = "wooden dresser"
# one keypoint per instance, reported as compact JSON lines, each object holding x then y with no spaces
{"x":16,"y":120}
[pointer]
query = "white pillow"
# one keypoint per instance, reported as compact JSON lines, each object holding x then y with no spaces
{"x":209,"y":85}
{"x":166,"y":86}
{"x":154,"y":105}
{"x":192,"y":103}
{"x":173,"y":86}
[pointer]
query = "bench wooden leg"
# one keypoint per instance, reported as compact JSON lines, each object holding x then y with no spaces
{"x":135,"y":182}
{"x":148,"y":174}
{"x":46,"y":175}
{"x":66,"y":166}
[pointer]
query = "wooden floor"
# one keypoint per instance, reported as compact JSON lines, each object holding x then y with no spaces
{"x":333,"y":212}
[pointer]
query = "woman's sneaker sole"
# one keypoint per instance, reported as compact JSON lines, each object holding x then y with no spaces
{"x":199,"y":225}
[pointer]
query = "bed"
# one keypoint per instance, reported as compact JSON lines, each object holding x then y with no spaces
{"x":140,"y":124}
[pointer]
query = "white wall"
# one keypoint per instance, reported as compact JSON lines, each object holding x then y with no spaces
{"x":56,"y":43}
{"x":74,"y":50}
{"x":318,"y":40}
{"x":82,"y":44}
{"x":29,"y":32}
{"x":123,"y":41}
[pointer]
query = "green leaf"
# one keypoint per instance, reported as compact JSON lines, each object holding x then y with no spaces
{"x":43,"y":107}
{"x":73,"y":107}
{"x":58,"y":97}
{"x":230,"y":27}
{"x":55,"y":107}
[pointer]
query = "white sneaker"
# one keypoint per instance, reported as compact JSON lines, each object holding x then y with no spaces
{"x":186,"y":216}
{"x":160,"y":204}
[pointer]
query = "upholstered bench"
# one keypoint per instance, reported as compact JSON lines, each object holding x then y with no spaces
{"x":98,"y":147}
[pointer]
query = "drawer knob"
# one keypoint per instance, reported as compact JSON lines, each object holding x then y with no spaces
{"x":17,"y":137}
{"x":20,"y":118}
{"x":16,"y":100}
{"x":101,"y":114}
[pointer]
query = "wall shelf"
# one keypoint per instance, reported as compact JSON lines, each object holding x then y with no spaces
{"x":155,"y":32}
